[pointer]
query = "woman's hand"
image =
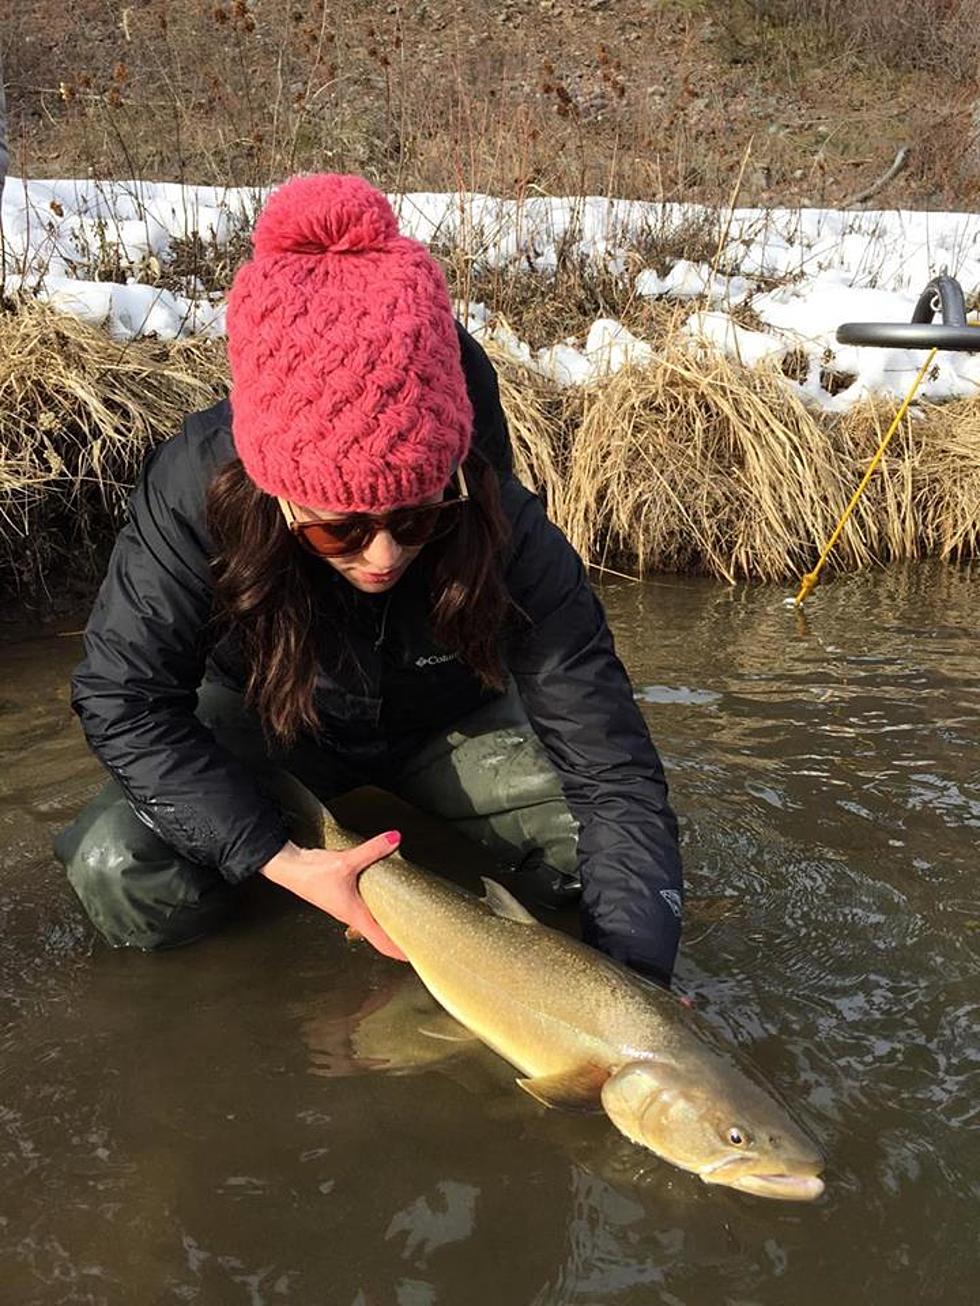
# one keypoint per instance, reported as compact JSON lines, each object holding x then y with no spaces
{"x":329,"y":881}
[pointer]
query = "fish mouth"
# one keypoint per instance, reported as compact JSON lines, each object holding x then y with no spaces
{"x":782,"y":1187}
{"x":802,"y":1185}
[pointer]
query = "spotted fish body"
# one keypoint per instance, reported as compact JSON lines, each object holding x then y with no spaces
{"x":585,"y":1032}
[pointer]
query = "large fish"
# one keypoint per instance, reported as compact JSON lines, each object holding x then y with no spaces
{"x":586,"y":1032}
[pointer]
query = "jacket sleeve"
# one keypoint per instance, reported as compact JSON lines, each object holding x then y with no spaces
{"x":580,"y":703}
{"x":136,"y":689}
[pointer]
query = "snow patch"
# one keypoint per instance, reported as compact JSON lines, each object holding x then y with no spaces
{"x":835,"y":267}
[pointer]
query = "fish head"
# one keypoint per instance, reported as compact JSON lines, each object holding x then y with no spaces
{"x":707,"y":1117}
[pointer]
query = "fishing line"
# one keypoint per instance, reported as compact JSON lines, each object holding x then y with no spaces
{"x":811,"y":578}
{"x":942,"y":295}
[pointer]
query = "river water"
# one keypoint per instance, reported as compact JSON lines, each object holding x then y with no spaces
{"x":211,"y":1125}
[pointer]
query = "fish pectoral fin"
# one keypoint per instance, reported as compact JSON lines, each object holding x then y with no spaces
{"x":443,"y":1026}
{"x":579,"y":1089}
{"x":502,"y":903}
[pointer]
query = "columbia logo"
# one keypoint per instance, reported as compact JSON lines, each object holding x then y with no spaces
{"x":673,"y":900}
{"x":435,"y":660}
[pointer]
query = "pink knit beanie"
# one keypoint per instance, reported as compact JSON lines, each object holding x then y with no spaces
{"x":348,"y":392}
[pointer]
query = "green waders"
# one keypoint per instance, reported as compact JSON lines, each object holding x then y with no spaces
{"x":488,"y":777}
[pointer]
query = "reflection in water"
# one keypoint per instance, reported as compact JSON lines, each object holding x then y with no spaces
{"x":434,"y":1220}
{"x":600,"y":1222}
{"x":676,"y":694}
{"x":260,"y":1118}
{"x":398,"y":1029}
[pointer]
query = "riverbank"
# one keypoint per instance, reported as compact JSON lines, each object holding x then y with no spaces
{"x":686,"y":461}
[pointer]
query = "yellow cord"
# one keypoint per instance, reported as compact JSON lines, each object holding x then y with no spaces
{"x":810,"y":579}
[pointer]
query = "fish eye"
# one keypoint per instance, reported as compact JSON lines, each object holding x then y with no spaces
{"x":735,"y":1136}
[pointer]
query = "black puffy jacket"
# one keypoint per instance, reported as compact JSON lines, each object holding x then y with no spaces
{"x":149,"y":644}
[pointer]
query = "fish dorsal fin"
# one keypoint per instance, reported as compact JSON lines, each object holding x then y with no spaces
{"x":578,"y":1089}
{"x":502,"y":903}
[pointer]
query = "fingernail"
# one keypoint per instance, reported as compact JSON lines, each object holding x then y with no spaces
{"x":393,"y":837}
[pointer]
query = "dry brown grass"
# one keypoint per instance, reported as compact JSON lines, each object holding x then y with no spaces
{"x":692,"y":464}
{"x":78,"y":413}
{"x":700,"y":465}
{"x":517,"y":98}
{"x":939,"y":510}
{"x":937,"y":36}
{"x":697,"y":464}
{"x":536,"y":417}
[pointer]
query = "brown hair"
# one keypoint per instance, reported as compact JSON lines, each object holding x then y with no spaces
{"x":266,"y":588}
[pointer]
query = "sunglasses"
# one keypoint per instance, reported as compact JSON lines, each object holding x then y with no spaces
{"x":408,"y":527}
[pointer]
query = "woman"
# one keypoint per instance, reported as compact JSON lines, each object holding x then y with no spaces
{"x":338,"y":574}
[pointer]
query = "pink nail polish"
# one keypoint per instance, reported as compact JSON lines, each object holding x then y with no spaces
{"x":393,"y":837}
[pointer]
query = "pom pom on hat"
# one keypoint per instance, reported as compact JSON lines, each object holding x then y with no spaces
{"x":324,"y":214}
{"x":348,"y":392}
